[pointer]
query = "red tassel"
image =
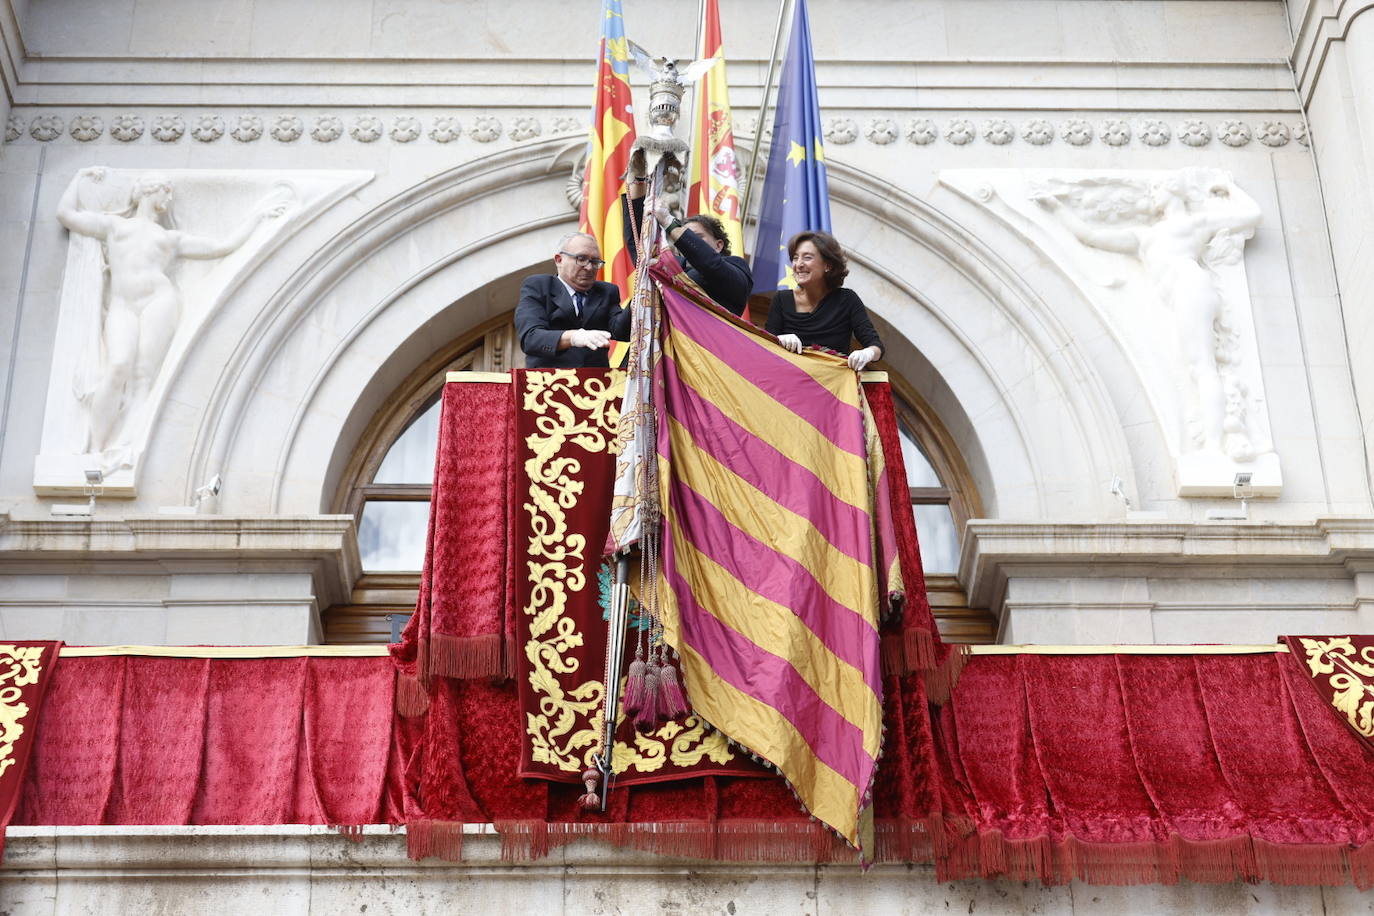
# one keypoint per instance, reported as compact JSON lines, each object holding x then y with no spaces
{"x":647,"y":718}
{"x":634,"y":686}
{"x":591,"y":801}
{"x":672,"y":704}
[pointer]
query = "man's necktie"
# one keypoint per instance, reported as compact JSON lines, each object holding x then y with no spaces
{"x":579,"y":303}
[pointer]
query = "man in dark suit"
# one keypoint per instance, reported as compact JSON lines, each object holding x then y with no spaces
{"x":567,"y":320}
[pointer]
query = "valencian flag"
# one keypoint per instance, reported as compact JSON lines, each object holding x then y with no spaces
{"x":714,"y":186}
{"x":795,"y":194}
{"x":773,"y":564}
{"x":612,"y":134}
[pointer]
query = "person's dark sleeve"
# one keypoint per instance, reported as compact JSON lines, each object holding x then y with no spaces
{"x":775,"y":315}
{"x":631,"y":215}
{"x":532,"y":320}
{"x":726,"y":280}
{"x":862,"y":325}
{"x":619,"y":325}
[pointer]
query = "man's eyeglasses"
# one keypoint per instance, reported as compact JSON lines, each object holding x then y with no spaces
{"x":584,"y":261}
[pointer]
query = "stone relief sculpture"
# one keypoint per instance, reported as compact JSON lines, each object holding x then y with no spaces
{"x":1181,"y":227}
{"x":1160,"y":254}
{"x":139,"y":284}
{"x":139,"y":299}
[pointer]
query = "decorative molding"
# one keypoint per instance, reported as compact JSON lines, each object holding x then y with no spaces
{"x":327,"y":129}
{"x":960,"y":131}
{"x":1079,"y":132}
{"x":922,"y":131}
{"x":168,"y":128}
{"x":998,"y":131}
{"x":881,"y":131}
{"x":1235,"y":133}
{"x":1194,"y":133}
{"x":207,"y":128}
{"x":1155,"y":133}
{"x":366,"y":129}
{"x":126,"y":128}
{"x":446,"y":129}
{"x":485,"y":129}
{"x":406,"y":129}
{"x":248,"y":129}
{"x":840,"y":130}
{"x":1116,"y":132}
{"x":524,"y":128}
{"x":287,"y":128}
{"x":85,"y":128}
{"x":46,"y":128}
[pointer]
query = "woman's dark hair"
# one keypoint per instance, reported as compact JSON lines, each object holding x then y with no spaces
{"x":713,"y":226}
{"x":837,"y":265}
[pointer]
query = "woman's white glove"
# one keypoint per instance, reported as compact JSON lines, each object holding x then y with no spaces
{"x":589,"y":338}
{"x":790,"y":342}
{"x":859,"y":359}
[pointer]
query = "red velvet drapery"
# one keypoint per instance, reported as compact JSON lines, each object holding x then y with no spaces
{"x":1116,"y":769}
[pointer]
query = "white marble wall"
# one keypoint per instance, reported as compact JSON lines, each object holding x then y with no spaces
{"x":470,"y":119}
{"x":288,"y":870}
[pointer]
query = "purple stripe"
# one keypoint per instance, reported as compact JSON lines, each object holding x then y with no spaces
{"x":789,"y":484}
{"x":835,"y":741}
{"x":780,"y":579}
{"x":770,"y":372}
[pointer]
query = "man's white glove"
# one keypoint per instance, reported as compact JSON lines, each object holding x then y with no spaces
{"x":859,"y":359}
{"x":790,"y":342}
{"x":592,"y":340}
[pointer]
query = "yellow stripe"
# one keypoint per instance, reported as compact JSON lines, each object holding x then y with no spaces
{"x":775,"y":629}
{"x":761,"y":415}
{"x":844,"y":578}
{"x":828,"y":795}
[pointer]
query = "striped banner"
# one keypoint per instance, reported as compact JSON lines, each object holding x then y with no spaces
{"x":768,"y":589}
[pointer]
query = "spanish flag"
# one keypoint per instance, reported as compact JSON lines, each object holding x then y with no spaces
{"x":715,"y":175}
{"x":612,"y":134}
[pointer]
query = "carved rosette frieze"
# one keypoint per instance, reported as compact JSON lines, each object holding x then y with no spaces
{"x":248,"y":129}
{"x":85,"y":128}
{"x":406,"y":129}
{"x":485,"y":130}
{"x":446,"y":129}
{"x":126,"y":128}
{"x":840,"y":130}
{"x":207,"y":128}
{"x":46,"y":128}
{"x":168,"y":128}
{"x":327,"y":129}
{"x":524,"y":128}
{"x":366,"y":129}
{"x":287,"y":128}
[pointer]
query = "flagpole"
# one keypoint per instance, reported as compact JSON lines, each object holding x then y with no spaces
{"x":758,"y":128}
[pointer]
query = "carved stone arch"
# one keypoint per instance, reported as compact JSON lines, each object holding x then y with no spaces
{"x":1041,"y":401}
{"x":314,"y":361}
{"x":1034,"y":413}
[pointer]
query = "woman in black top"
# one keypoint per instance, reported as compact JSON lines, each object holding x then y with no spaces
{"x":822,"y":312}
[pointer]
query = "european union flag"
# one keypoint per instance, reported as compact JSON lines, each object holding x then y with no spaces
{"x":795,"y":193}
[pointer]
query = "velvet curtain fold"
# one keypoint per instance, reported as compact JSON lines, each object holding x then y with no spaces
{"x":133,"y":740}
{"x":1123,"y":769}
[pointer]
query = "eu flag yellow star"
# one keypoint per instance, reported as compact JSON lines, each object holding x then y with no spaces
{"x":797,"y":154}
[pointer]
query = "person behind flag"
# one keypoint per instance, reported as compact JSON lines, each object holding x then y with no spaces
{"x":796,"y":191}
{"x":822,"y":312}
{"x":704,"y":243}
{"x":567,"y":320}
